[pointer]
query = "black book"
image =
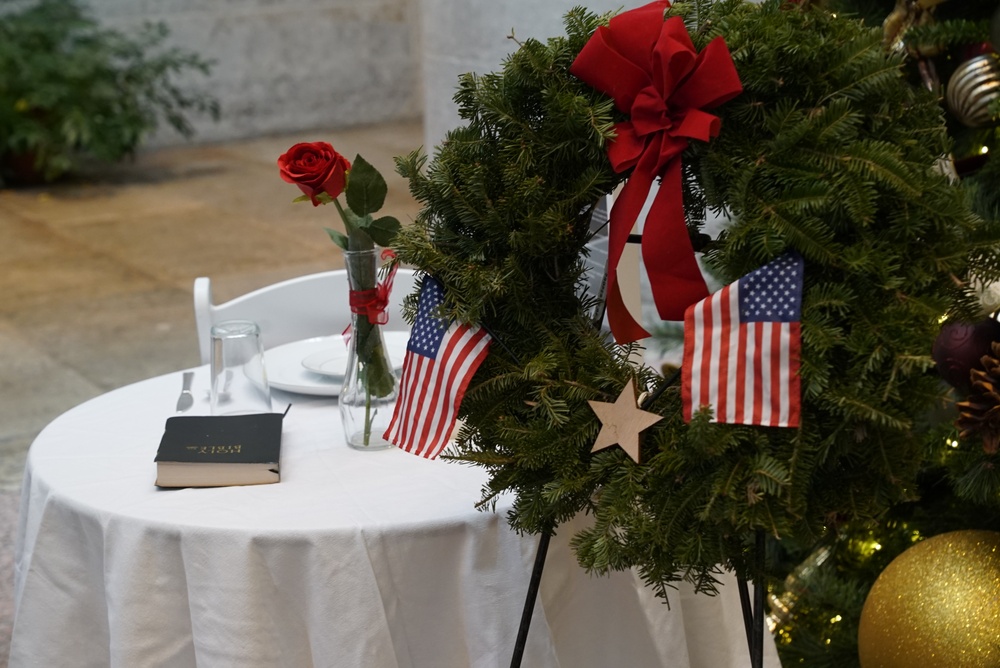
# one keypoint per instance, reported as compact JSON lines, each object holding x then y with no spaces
{"x":218,"y":450}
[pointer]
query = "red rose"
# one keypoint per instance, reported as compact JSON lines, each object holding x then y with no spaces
{"x":315,"y":168}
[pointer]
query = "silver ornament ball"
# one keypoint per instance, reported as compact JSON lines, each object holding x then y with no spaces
{"x":972,"y":88}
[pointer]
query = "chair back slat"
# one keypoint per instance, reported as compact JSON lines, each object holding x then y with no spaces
{"x":299,"y":308}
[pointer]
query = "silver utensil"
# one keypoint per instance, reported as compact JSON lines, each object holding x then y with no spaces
{"x":186,"y":400}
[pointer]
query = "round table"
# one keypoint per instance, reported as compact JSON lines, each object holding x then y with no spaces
{"x":373,"y":559}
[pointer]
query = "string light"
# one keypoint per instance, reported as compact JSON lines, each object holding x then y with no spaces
{"x":984,"y":150}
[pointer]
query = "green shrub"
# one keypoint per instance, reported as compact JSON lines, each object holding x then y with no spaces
{"x":70,"y":88}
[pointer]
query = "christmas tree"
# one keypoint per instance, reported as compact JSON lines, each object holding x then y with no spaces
{"x":816,"y":610}
{"x":829,"y":152}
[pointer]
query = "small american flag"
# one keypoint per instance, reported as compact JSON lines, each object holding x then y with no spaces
{"x":742,"y":346}
{"x":441,"y":358}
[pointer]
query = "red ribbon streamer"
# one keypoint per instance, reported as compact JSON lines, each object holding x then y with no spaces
{"x":372,"y":303}
{"x":651,"y":69}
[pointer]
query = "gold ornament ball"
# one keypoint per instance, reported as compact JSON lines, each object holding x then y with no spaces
{"x":936,"y":605}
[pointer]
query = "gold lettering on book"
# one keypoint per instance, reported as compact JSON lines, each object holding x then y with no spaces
{"x":215,"y":449}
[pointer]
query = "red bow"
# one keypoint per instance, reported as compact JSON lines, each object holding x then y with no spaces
{"x":650,"y":67}
{"x":372,"y":302}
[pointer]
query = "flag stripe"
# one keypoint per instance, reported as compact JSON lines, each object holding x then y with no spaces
{"x":781,"y":371}
{"x":742,"y":344}
{"x":416,"y":370}
{"x":424,"y":427}
{"x":759,"y":351}
{"x":716,"y":363}
{"x":773,"y":399}
{"x":741,"y":349}
{"x":794,"y":361}
{"x":425,"y":390}
{"x":692,"y":352}
{"x":440,"y":362}
{"x":401,"y":417}
{"x":704,"y":382}
{"x":451,"y":378}
{"x":727,"y":357}
{"x":425,"y":424}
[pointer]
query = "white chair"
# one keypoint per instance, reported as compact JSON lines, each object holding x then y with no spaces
{"x":299,"y":308}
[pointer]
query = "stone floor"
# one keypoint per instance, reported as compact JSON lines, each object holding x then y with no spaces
{"x":96,"y":275}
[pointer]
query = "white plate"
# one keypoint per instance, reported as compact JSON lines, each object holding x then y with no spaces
{"x":329,"y":362}
{"x":285,"y":370}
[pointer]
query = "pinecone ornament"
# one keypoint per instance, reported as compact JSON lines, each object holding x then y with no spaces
{"x":980,"y":413}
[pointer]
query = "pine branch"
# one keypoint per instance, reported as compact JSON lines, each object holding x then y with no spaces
{"x":828,"y":151}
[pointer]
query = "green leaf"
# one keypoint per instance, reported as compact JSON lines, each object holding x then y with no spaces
{"x":357,"y":230}
{"x":383,"y":230}
{"x":366,"y":189}
{"x":337,"y":237}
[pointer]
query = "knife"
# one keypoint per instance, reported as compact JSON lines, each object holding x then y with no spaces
{"x":186,"y":400}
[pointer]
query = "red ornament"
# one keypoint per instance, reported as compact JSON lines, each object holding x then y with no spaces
{"x":960,"y":346}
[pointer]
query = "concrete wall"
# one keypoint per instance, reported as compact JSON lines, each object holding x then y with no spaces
{"x":462,"y":36}
{"x":290,"y":65}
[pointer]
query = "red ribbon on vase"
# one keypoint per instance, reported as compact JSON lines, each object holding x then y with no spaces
{"x":651,"y":69}
{"x":372,"y":303}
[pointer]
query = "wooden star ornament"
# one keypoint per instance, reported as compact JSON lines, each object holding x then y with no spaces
{"x":622,"y":421}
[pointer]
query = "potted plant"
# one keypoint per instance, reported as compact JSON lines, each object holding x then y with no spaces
{"x":70,"y":88}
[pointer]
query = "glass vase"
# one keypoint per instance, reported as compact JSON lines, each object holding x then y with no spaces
{"x":370,"y":389}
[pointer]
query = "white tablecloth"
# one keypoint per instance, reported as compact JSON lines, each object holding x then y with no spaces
{"x":355,"y":559}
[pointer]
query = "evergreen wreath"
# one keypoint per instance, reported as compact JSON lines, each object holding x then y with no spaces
{"x":828,"y":151}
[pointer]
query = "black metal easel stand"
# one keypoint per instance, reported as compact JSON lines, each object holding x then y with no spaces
{"x":753,"y":619}
{"x":753,"y":613}
{"x":529,"y":600}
